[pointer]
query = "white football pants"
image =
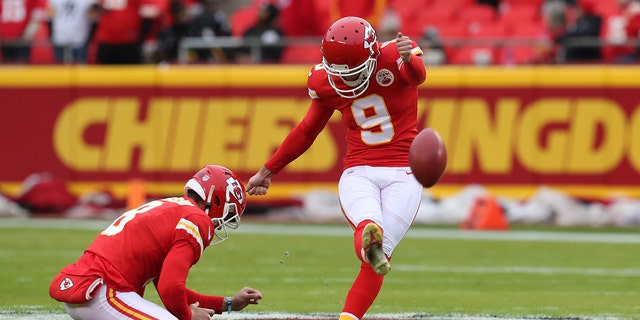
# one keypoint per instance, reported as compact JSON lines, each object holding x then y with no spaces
{"x":389,"y":196}
{"x":109,"y":304}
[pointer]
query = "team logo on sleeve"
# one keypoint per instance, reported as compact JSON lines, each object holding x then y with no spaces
{"x":66,"y":284}
{"x":384,"y":77}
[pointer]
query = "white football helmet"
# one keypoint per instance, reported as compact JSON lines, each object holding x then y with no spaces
{"x":223,"y":195}
{"x":350,"y":52}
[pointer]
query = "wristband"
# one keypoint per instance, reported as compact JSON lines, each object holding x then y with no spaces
{"x":229,"y":304}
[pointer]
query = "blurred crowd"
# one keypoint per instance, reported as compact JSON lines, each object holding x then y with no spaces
{"x":476,"y":32}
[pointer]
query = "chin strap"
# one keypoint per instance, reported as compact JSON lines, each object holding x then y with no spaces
{"x":356,"y":82}
{"x":207,"y":204}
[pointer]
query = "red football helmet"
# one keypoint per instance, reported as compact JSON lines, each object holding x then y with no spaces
{"x":223,"y":195}
{"x":350,"y":51}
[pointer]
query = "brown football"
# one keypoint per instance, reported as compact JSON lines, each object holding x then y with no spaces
{"x":428,"y":157}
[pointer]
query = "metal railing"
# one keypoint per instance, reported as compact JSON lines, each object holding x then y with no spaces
{"x":255,"y":47}
{"x":253,"y":44}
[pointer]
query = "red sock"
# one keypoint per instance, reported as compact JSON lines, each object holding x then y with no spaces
{"x":363,"y":292}
{"x":357,"y":238}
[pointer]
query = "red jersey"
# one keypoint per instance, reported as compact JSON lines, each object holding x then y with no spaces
{"x":121,"y":23}
{"x":15,"y":16}
{"x":157,"y":242}
{"x":633,"y":27}
{"x":381,"y":123}
{"x":145,"y":236}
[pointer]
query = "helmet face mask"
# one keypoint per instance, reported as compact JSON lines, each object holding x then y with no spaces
{"x":223,"y":195}
{"x":230,"y":219}
{"x":355,"y":80}
{"x":349,"y":54}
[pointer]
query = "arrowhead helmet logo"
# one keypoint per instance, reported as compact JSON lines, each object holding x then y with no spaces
{"x":370,"y":38}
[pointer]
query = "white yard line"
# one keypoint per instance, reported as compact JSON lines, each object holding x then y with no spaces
{"x":293,"y":316}
{"x":419,"y":232}
{"x":249,"y":227}
{"x":609,"y":272}
{"x":430,"y":233}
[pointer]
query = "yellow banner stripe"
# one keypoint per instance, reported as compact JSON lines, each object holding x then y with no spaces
{"x":295,"y":76}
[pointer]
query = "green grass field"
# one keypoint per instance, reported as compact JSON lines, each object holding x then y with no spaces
{"x":307,"y":269}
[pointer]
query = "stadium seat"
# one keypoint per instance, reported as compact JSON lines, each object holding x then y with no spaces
{"x":242,"y":19}
{"x":522,"y":45}
{"x":42,"y":52}
{"x":487,"y":39}
{"x":520,"y":15}
{"x":518,"y":55}
{"x":451,"y":30}
{"x":301,"y":54}
{"x":453,"y":3}
{"x":304,"y":18}
{"x":489,"y":30}
{"x":534,"y":30}
{"x":516,"y":3}
{"x":369,"y":10}
{"x":475,"y":55}
{"x":323,"y":12}
{"x":452,"y":36}
{"x":607,"y":8}
{"x":435,"y":17}
{"x":409,"y":12}
{"x":477,"y":14}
